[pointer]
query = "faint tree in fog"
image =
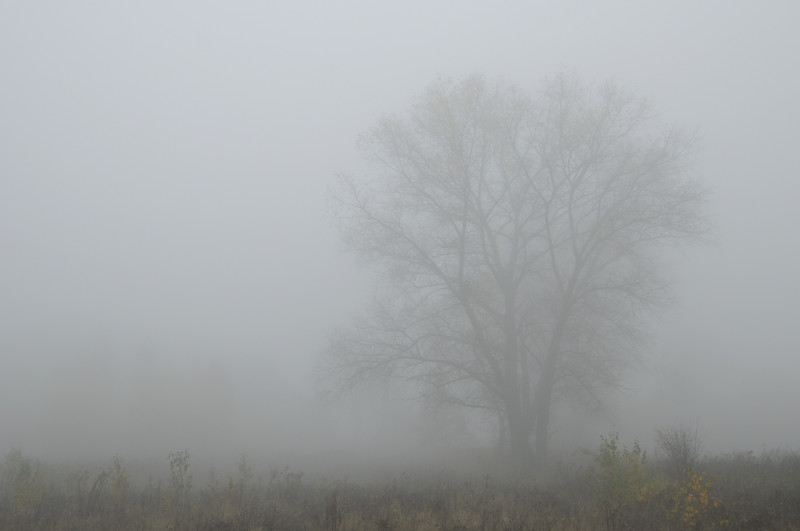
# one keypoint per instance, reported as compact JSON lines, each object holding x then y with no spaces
{"x":517,"y":234}
{"x":681,"y":447}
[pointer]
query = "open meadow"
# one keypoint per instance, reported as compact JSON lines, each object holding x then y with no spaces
{"x":615,"y":487}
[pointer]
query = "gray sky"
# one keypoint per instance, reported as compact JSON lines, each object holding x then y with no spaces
{"x":164,"y":165}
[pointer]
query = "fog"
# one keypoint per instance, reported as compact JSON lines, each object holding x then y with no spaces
{"x":170,"y":271}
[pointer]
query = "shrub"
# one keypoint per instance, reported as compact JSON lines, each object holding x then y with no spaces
{"x":620,"y":482}
{"x":681,"y":446}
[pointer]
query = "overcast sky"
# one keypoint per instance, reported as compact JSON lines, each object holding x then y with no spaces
{"x":164,"y":166}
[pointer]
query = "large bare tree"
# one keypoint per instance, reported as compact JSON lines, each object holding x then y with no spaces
{"x":518,"y":235}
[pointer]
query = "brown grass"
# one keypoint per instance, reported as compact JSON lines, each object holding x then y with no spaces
{"x":745,"y":492}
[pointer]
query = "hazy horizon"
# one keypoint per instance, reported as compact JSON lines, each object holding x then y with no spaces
{"x":170,"y":270}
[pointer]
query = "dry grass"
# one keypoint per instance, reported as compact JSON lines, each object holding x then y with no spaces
{"x":734,"y":491}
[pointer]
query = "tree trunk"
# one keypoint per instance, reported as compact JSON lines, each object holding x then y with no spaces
{"x":544,"y":395}
{"x":502,"y":433}
{"x":543,"y":398}
{"x":515,"y":398}
{"x":519,"y":438}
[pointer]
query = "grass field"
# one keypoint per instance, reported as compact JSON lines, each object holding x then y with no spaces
{"x":615,"y":488}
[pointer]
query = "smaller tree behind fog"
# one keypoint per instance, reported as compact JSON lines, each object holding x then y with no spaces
{"x":517,"y":237}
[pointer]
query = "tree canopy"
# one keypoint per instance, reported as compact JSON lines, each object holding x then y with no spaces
{"x":518,"y":237}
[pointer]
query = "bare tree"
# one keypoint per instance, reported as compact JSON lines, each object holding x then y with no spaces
{"x":681,"y":446}
{"x":517,"y":237}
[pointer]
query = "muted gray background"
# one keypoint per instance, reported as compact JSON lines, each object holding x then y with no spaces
{"x":168,"y":270}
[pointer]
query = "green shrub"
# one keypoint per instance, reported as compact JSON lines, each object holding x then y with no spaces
{"x":620,"y":482}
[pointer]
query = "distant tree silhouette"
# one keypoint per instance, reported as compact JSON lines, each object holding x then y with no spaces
{"x":516,"y":234}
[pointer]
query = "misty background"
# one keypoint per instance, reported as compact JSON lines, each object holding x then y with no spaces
{"x":169,"y":271}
